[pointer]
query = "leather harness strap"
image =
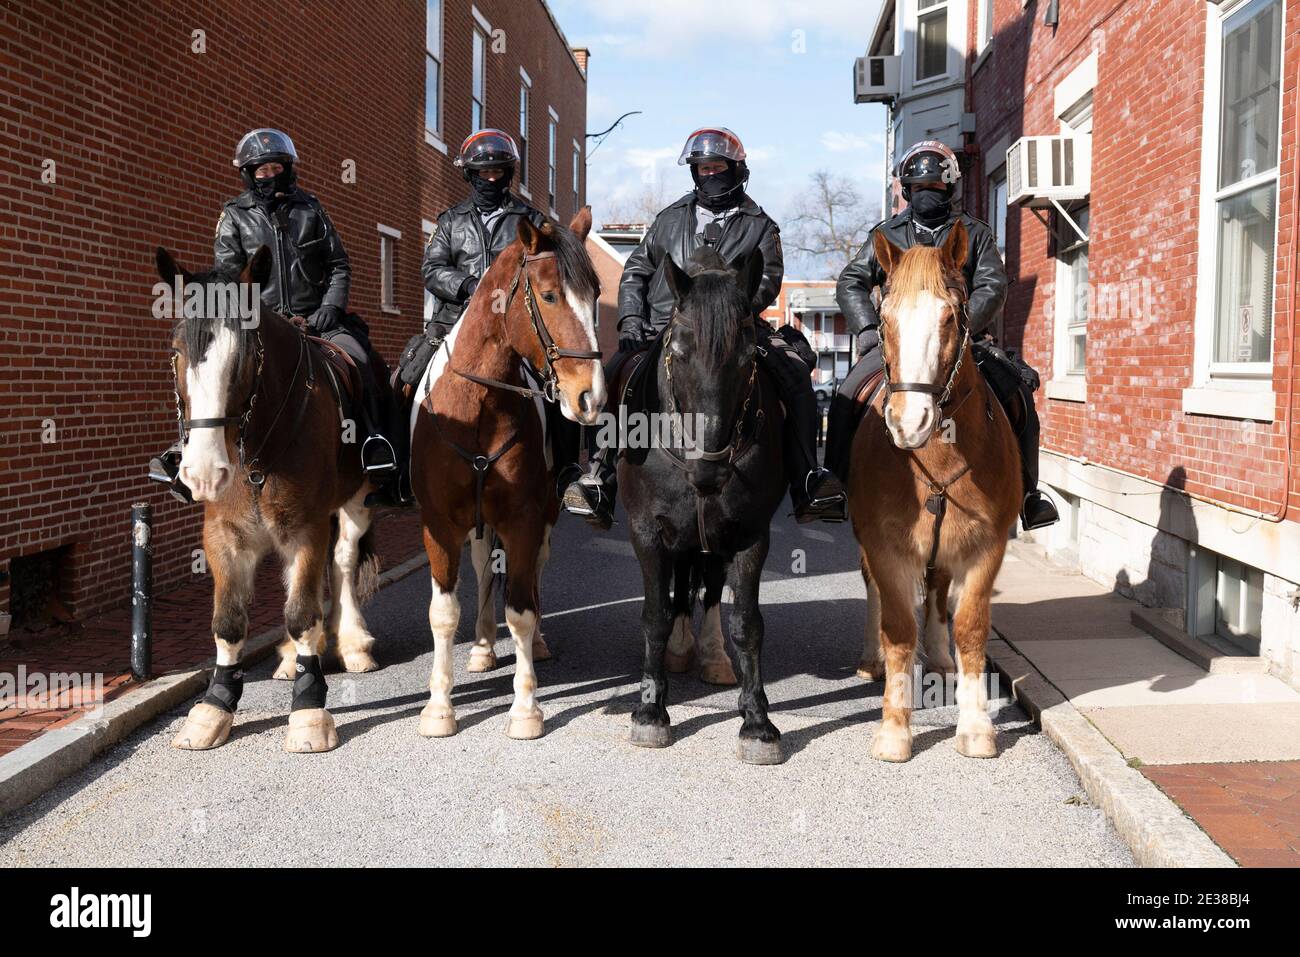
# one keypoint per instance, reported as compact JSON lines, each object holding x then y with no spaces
{"x":480,"y":464}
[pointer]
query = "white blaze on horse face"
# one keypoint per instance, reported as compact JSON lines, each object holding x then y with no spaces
{"x":586,"y":313}
{"x":912,"y":416}
{"x":205,"y":467}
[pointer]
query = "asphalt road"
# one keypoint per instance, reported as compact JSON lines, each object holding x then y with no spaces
{"x":581,"y":795}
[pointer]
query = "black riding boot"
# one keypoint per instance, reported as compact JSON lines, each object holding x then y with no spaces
{"x":843,"y":418}
{"x":165,"y":469}
{"x":815,"y":492}
{"x":1036,"y":511}
{"x":592,"y":495}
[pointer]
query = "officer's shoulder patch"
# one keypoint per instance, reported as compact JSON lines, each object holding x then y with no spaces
{"x":220,"y":219}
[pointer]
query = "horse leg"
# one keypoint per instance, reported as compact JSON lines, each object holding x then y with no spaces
{"x":540,"y":651}
{"x":651,"y":727}
{"x":975,"y":735}
{"x":893,"y":741}
{"x":311,"y":727}
{"x":872,"y":665}
{"x":208,"y":723}
{"x":483,"y":656}
{"x":760,"y":741}
{"x":438,"y":719}
{"x":523,"y":547}
{"x":346,"y":625}
{"x":934,"y":640}
{"x":679,"y":656}
{"x":715,"y":666}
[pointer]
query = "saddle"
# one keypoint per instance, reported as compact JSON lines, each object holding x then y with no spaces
{"x":346,"y":374}
{"x":628,"y":374}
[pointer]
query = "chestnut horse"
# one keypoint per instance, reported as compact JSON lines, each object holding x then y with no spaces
{"x":929,"y":511}
{"x":478,"y":455}
{"x":265,"y":452}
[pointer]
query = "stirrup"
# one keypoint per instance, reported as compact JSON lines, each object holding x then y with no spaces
{"x":1046,"y":513}
{"x":577,"y":501}
{"x":387,"y":465}
{"x":165,"y":470}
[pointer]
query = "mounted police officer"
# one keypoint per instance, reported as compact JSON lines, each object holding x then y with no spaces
{"x":467,"y":239}
{"x":717,"y":213}
{"x":928,"y":173}
{"x":310,"y":278}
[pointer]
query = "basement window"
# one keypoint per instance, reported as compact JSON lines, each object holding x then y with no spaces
{"x":34,"y":589}
{"x":1225,"y":600}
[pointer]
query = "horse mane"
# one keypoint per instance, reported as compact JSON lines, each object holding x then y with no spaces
{"x":718,"y":303}
{"x":921,"y":269}
{"x":577,"y":273}
{"x":197,"y":332}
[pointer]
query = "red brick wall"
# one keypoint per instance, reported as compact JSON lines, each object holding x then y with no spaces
{"x":141,"y":130}
{"x":1145,"y":208}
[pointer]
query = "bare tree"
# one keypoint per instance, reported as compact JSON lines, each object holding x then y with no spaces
{"x":641,"y":208}
{"x":828,"y":222}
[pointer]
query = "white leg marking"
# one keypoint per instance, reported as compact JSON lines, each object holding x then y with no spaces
{"x":525,"y":715}
{"x":346,"y":621}
{"x":438,"y":719}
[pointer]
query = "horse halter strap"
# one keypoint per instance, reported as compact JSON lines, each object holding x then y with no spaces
{"x":942,"y":392}
{"x":551,"y":352}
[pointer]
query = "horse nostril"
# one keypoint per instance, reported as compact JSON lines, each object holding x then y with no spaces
{"x":587,"y":402}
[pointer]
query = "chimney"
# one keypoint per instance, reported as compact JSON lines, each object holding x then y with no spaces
{"x":582,"y":54}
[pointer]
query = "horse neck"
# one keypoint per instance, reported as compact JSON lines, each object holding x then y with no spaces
{"x":483,"y":349}
{"x":281,"y":353}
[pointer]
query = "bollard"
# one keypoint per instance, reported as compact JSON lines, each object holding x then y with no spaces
{"x":141,"y":591}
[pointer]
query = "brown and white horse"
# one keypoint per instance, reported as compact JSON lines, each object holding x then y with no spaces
{"x":478,"y":455}
{"x":266,"y":453}
{"x":934,"y":493}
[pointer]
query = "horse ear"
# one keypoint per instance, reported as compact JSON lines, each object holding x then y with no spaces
{"x":956,"y":245}
{"x":887,"y":254}
{"x":167,"y":268}
{"x":581,"y":223}
{"x":529,"y":235}
{"x":258,"y":269}
{"x":678,"y":281}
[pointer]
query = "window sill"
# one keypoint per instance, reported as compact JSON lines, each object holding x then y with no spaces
{"x":523,"y":191}
{"x":1067,"y":390}
{"x":1256,"y":404}
{"x":983,"y":56}
{"x":390,"y":310}
{"x":432,"y":140}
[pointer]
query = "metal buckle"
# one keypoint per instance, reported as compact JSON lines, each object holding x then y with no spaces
{"x":480,"y":463}
{"x":256,"y":478}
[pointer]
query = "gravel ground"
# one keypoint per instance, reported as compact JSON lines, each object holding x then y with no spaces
{"x":582,"y":795}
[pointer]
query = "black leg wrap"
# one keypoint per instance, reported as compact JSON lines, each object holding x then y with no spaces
{"x":309,"y":686}
{"x":226,"y":688}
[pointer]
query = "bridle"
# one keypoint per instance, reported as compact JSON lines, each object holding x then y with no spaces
{"x":254,"y":470}
{"x":942,"y":392}
{"x":550,"y":351}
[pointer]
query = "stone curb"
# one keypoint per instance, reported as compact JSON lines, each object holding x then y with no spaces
{"x":1153,"y":826}
{"x":29,"y":771}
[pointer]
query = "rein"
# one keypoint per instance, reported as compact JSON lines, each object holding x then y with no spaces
{"x":551,"y":352}
{"x":254,"y":470}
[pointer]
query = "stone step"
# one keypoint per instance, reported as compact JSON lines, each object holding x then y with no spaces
{"x":1214,"y":659}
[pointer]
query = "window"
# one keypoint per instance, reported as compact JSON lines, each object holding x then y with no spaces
{"x":577,"y":176}
{"x":433,"y":66}
{"x":1246,"y":198}
{"x":524,"y":93}
{"x":1072,"y":291}
{"x":931,"y":39}
{"x":998,"y":209}
{"x":983,"y":25}
{"x":552,"y":133}
{"x":1225,"y":599}
{"x":388,"y":238}
{"x":478,"y":83}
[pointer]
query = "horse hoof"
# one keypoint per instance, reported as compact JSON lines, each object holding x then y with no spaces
{"x":311,"y":731}
{"x":651,"y":735}
{"x":436,"y":725}
{"x":679,"y":664}
{"x":206,"y":726}
{"x":976,"y":744}
{"x":527,"y":728}
{"x":871,"y":670}
{"x":754,"y":751}
{"x":357,"y":662}
{"x":718,"y":673}
{"x":540,"y":651}
{"x":896,"y":747}
{"x":480,"y":661}
{"x":286,"y":670}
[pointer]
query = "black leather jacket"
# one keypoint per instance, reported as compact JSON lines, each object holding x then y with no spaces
{"x":460,"y":250}
{"x":986,"y":277}
{"x":645,"y":303}
{"x":310,"y":267}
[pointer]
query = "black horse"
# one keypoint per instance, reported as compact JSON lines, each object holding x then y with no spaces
{"x":707,"y":505}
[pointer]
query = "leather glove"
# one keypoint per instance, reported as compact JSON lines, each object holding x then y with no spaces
{"x":325,"y":319}
{"x":629,"y":344}
{"x":467,"y":288}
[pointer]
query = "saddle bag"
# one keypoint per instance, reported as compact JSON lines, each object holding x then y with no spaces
{"x":1005,"y":370}
{"x":799,"y":343}
{"x":419,"y":352}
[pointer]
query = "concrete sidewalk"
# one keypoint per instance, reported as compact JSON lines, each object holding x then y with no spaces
{"x":1189,"y":731}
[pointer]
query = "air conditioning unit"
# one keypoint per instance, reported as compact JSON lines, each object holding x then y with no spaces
{"x":875,"y":79}
{"x":1042,"y":170}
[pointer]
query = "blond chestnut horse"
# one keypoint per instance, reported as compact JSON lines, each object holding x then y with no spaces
{"x":934,"y":492}
{"x":477,"y":453}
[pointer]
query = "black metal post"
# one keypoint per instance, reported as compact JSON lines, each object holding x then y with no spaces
{"x":141,"y":591}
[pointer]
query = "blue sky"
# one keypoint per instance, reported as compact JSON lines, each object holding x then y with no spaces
{"x":734,"y":63}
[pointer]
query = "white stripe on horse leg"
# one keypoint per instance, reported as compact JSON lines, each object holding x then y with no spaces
{"x":349,"y":627}
{"x":438,"y":719}
{"x":525,"y":716}
{"x":483,"y":657}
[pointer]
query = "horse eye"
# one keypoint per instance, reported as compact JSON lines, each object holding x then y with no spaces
{"x":549,"y":297}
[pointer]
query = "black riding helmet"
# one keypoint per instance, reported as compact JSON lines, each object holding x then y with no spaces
{"x":928,"y":162}
{"x":716,"y":143}
{"x":264,"y":146}
{"x":487,"y":149}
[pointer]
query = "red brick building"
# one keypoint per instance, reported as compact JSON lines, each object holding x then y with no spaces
{"x":118,"y":125}
{"x":1157,"y":301}
{"x":809,"y":305}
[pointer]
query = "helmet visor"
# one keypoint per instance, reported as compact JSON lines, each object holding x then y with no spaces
{"x":487,"y":148}
{"x":264,"y":146}
{"x":711,"y":143}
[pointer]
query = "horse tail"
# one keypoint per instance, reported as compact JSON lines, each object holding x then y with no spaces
{"x":367,"y":574}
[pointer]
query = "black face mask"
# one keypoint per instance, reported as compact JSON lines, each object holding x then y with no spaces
{"x":719,"y":191}
{"x":488,"y":195}
{"x":931,"y":207}
{"x":267,"y":187}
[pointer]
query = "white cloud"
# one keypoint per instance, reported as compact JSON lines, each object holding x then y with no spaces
{"x":835,"y":141}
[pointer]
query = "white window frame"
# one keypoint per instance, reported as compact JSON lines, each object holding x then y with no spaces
{"x":983,"y":25}
{"x":388,"y":239}
{"x":948,"y":8}
{"x":428,"y":226}
{"x":1073,"y":106}
{"x":482,"y":30}
{"x":577,"y":176}
{"x":525,"y":124}
{"x":552,"y":154}
{"x":1205,"y":581}
{"x":434,"y":137}
{"x":1238,"y":390}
